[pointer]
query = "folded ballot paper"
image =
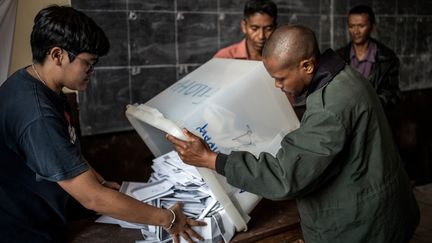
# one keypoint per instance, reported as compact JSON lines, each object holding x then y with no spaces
{"x":232,"y":105}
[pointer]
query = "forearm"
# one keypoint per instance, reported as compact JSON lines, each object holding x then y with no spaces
{"x":121,"y":206}
{"x":98,"y":176}
{"x":305,"y":160}
{"x":88,"y":191}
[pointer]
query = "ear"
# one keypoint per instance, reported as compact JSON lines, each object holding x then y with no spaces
{"x":308,"y":66}
{"x":56,"y":54}
{"x":243,"y":25}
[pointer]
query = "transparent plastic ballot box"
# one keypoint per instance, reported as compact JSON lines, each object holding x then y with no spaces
{"x":233,"y":105}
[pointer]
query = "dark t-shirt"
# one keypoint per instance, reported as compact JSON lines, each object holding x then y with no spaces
{"x":38,"y":148}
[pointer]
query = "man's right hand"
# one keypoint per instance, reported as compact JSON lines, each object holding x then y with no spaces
{"x":182,"y":226}
{"x":194,"y":151}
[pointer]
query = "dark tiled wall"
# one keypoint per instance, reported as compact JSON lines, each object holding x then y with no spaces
{"x":156,"y":42}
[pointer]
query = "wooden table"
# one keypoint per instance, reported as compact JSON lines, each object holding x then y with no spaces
{"x":272,"y":221}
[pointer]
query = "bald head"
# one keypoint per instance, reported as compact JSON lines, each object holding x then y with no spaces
{"x":291,"y":44}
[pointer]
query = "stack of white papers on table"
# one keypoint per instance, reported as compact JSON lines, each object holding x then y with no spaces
{"x":174,"y":181}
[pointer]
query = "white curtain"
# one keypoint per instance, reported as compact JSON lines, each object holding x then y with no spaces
{"x":8,"y":10}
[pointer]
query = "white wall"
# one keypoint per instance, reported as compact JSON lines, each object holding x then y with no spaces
{"x":8,"y":10}
{"x":27,"y":10}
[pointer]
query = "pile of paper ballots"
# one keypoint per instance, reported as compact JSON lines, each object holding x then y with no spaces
{"x":174,"y":181}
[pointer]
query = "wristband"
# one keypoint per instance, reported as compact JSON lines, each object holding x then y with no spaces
{"x":103,"y":182}
{"x":172,"y":221}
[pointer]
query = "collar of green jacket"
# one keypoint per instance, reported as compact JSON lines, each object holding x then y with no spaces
{"x":329,"y":64}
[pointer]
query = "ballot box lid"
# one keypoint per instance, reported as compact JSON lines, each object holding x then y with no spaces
{"x":233,"y":105}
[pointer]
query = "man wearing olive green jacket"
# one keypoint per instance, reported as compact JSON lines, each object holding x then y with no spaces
{"x":341,"y":165}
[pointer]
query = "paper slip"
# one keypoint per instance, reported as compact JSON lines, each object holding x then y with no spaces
{"x":151,"y":190}
{"x":172,"y":158}
{"x":210,"y":233}
{"x":108,"y":220}
{"x":210,"y":206}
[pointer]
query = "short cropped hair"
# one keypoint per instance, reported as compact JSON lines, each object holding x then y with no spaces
{"x":260,"y":6}
{"x":363,"y":9}
{"x":67,"y":28}
{"x":290,"y":44}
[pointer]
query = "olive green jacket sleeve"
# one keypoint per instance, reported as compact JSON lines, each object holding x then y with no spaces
{"x":306,"y":159}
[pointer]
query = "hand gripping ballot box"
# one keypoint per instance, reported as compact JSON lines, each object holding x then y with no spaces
{"x":232,"y":105}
